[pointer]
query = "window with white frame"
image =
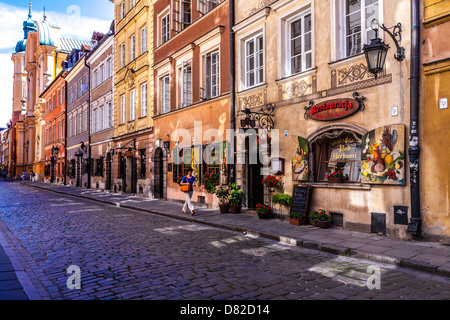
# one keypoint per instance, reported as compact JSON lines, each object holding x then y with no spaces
{"x":94,"y":81}
{"x":122,"y":109}
{"x":122,"y":55}
{"x":81,"y":87}
{"x":132,"y":3}
{"x":204,"y":6}
{"x":85,"y":119}
{"x":254,"y":61}
{"x":102,"y":73}
{"x":132,"y":47}
{"x":80,"y":122}
{"x":185,"y":13}
{"x":75,"y":124}
{"x":165,"y":29}
{"x":144,"y":100}
{"x":101,"y":119}
{"x":94,"y":121}
{"x":132,"y":105}
{"x":108,"y":68}
{"x":354,"y":18}
{"x":122,"y":10}
{"x":299,"y":43}
{"x":212,"y":75}
{"x":143,"y":40}
{"x":165,"y":94}
{"x":186,"y":85}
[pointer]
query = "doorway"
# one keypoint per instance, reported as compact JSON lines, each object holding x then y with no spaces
{"x":108,"y":182}
{"x":255,"y":188}
{"x":159,"y":174}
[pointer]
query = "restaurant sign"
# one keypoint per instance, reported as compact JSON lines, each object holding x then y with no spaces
{"x":334,"y":109}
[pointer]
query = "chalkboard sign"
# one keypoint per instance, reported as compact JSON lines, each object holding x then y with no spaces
{"x":301,"y":199}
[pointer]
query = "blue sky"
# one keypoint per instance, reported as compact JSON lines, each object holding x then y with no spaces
{"x":102,"y":9}
{"x":77,"y":19}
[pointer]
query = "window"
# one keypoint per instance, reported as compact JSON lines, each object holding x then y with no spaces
{"x":102,"y":119}
{"x":102,"y":74}
{"x":94,"y":121}
{"x":86,"y":83}
{"x":185,"y":9}
{"x":144,"y":100}
{"x":131,"y":3}
{"x":99,"y":167}
{"x":204,"y":6}
{"x":110,"y":115}
{"x":74,"y":132}
{"x":122,"y":109}
{"x":132,"y":105}
{"x":133,"y":47}
{"x":342,"y":153}
{"x":143,"y":158}
{"x":81,"y":87}
{"x":165,"y":94}
{"x":94,"y":82}
{"x":300,"y":45}
{"x":143,"y":40}
{"x":186,"y":87}
{"x":70,"y":127}
{"x":212,"y":75}
{"x":85,"y":119}
{"x":75,"y":92}
{"x":354,"y":25}
{"x":122,"y":55}
{"x":165,"y":29}
{"x":122,"y":10}
{"x":80,"y":122}
{"x":108,"y":68}
{"x":254,"y":61}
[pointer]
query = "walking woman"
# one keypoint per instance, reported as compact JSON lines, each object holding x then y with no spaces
{"x":190,"y":180}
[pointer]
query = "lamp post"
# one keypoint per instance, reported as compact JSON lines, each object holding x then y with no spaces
{"x":376,"y":51}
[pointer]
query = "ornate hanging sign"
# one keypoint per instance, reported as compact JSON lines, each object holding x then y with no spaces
{"x":334,"y":109}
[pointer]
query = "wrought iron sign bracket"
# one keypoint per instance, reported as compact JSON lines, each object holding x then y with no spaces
{"x":396,"y":36}
{"x":264,"y":118}
{"x":124,"y":147}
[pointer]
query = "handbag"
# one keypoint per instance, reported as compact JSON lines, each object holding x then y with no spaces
{"x":185,"y":188}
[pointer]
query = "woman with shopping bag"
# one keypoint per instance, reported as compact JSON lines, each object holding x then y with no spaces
{"x":186,"y":186}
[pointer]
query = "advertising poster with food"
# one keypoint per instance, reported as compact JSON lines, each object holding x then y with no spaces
{"x":300,"y":164}
{"x":383,"y":155}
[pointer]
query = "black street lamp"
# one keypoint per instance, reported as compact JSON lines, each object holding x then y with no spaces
{"x":376,"y":51}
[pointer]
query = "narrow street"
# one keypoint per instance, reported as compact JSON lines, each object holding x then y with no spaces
{"x":126,"y":254}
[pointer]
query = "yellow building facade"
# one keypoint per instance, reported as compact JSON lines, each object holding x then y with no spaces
{"x":133,"y":96}
{"x":434,"y":118}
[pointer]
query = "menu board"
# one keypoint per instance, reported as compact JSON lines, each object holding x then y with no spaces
{"x":301,"y":199}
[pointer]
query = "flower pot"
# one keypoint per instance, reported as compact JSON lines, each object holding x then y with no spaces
{"x":224,"y":207}
{"x":235,"y":208}
{"x":265,"y":215}
{"x":297,"y":222}
{"x":332,"y":179}
{"x":323,"y":224}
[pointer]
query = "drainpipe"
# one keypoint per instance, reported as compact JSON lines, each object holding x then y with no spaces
{"x":66,"y":131}
{"x":415,"y":224}
{"x":89,"y":120}
{"x":232,"y":172}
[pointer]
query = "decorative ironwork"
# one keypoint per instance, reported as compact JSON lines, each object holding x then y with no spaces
{"x":396,"y":36}
{"x":127,"y":146}
{"x":263,"y":118}
{"x":311,"y":104}
{"x":360,"y":100}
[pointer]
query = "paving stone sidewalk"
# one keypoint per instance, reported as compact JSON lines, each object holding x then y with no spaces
{"x":10,"y":286}
{"x":429,"y":257}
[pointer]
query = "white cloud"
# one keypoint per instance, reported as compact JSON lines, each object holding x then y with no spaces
{"x":72,"y":24}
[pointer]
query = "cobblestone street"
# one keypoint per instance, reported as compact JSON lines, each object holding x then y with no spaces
{"x":127,"y":254}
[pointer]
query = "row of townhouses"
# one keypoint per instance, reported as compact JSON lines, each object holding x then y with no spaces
{"x":107,"y":114}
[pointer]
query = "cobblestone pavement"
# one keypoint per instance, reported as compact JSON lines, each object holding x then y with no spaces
{"x":126,"y":254}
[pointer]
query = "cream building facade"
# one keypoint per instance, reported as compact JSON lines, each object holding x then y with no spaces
{"x":295,"y":60}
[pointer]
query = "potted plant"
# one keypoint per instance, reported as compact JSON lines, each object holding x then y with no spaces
{"x":297,"y":218}
{"x":335,"y":177}
{"x":313,"y":217}
{"x":272,"y":182}
{"x":263,"y":211}
{"x":235,"y":198}
{"x":210,"y":181}
{"x":282,"y":199}
{"x":223,"y":194}
{"x":321,"y":218}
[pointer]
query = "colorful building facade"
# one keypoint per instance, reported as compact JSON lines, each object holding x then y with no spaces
{"x":192,"y":93}
{"x":133,"y":97}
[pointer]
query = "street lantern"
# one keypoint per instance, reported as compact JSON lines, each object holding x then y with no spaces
{"x":376,"y":51}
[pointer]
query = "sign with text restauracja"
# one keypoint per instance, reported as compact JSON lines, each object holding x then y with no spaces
{"x":332,"y":109}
